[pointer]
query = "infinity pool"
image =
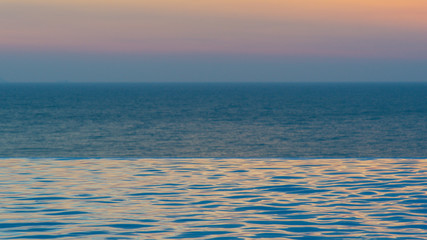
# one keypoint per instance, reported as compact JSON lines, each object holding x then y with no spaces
{"x":213,"y":198}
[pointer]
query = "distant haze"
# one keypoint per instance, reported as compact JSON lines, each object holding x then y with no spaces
{"x":113,"y":68}
{"x":213,"y":40}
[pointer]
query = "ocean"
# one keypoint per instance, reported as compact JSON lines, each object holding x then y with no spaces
{"x":213,"y":161}
{"x":305,"y":120}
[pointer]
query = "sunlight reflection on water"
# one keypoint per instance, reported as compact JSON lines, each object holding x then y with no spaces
{"x":213,"y":198}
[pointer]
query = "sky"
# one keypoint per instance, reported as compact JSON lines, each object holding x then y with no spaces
{"x":213,"y":40}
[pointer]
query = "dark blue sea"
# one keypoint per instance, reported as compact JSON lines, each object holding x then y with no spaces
{"x":214,"y":120}
{"x":212,"y":161}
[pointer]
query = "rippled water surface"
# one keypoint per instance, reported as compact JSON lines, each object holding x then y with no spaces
{"x":213,"y":198}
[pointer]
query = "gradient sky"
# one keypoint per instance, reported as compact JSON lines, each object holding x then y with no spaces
{"x":192,"y":36}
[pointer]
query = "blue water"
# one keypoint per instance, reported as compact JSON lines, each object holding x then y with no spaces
{"x":214,"y":120}
{"x":213,"y":161}
{"x":213,"y":198}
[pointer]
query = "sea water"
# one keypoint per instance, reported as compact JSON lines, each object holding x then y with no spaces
{"x":213,"y":161}
{"x":344,"y":120}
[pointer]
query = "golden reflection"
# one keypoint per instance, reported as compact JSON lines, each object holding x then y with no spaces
{"x":173,"y":196}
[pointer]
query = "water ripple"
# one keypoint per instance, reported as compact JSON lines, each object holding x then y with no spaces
{"x":213,"y":198}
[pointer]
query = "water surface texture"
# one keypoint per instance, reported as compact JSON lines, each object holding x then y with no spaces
{"x":213,"y":198}
{"x":214,"y":120}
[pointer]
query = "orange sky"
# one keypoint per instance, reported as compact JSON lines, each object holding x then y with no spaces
{"x":355,"y":28}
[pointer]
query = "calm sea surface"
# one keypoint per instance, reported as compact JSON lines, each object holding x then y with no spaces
{"x":213,"y":120}
{"x":213,"y":161}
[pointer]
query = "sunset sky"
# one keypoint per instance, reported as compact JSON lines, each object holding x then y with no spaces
{"x":193,"y":38}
